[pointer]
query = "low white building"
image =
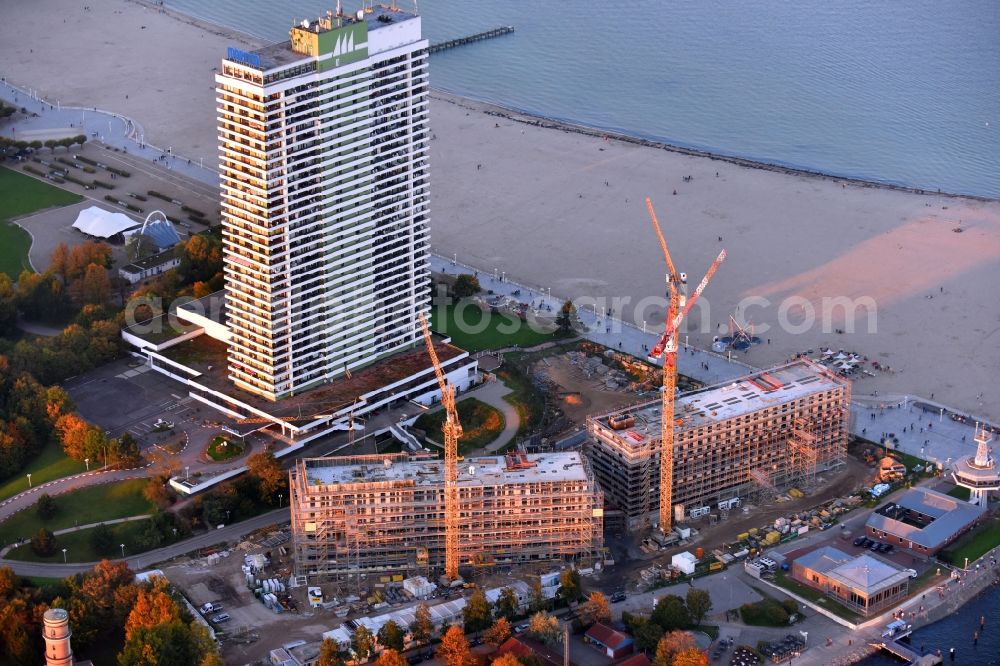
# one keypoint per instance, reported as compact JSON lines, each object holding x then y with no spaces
{"x":684,"y":562}
{"x":419,"y":587}
{"x":152,"y":266}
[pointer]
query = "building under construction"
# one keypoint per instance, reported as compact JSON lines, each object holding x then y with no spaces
{"x":385,"y":513}
{"x":740,"y":441}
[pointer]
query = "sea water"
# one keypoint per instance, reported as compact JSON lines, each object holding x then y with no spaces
{"x":956,"y":631}
{"x":895,"y":92}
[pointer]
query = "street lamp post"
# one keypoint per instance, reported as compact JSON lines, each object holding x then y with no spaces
{"x":123,"y":550}
{"x":64,"y":556}
{"x":503,"y":276}
{"x":227,"y":516}
{"x":187,"y":472}
{"x":86,"y":461}
{"x":29,"y":480}
{"x":280,"y":499}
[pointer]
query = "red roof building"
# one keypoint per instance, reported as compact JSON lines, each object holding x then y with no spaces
{"x":613,"y":643}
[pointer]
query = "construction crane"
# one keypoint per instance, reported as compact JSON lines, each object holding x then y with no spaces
{"x":452,"y":433}
{"x":667,"y":347}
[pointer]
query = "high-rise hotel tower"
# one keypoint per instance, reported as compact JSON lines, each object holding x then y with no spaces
{"x":323,"y":170}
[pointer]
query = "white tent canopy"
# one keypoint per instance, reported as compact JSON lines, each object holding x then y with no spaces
{"x":101,"y":223}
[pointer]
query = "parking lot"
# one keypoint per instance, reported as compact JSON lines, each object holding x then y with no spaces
{"x":126,"y":396}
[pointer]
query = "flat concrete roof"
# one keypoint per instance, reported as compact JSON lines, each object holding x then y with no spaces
{"x":484,"y":471}
{"x":868,"y":573}
{"x":281,"y":53}
{"x":720,"y":402}
{"x":949,"y":515}
{"x":208,"y":356}
{"x":823,"y":559}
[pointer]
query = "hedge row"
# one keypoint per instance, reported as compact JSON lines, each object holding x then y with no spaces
{"x":137,"y":196}
{"x":123,"y":204}
{"x":101,"y":183}
{"x":192,"y":211}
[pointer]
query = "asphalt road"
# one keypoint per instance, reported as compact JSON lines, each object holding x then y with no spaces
{"x":230,"y":533}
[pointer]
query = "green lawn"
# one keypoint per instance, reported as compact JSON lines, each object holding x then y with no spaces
{"x":78,"y":546}
{"x":82,"y":507}
{"x":481,"y":424}
{"x":474,"y":330}
{"x":525,"y":398}
{"x":782,"y":579}
{"x":20,"y":195}
{"x":222,"y":449}
{"x":974,"y":544}
{"x":50,"y":464}
{"x":958,"y":492}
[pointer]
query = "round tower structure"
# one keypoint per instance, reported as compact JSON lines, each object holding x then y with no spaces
{"x":978,"y":473}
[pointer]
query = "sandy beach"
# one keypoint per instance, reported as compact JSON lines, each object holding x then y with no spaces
{"x":560,"y":209}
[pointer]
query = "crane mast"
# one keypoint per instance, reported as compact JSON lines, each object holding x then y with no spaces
{"x":667,"y":347}
{"x":452,"y":433}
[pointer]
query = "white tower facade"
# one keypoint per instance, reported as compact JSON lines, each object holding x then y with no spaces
{"x":323,"y":169}
{"x":57,"y":634}
{"x":979,"y":473}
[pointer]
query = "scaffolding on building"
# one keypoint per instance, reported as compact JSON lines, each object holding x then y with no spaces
{"x":385,"y":513}
{"x":803,"y":456}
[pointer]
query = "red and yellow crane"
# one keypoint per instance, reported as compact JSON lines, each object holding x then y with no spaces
{"x":667,"y":347}
{"x":452,"y":433}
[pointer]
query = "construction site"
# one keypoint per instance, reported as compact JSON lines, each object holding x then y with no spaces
{"x":739,"y":442}
{"x":386,"y":513}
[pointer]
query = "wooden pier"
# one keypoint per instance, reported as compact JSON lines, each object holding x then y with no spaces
{"x":904,"y":652}
{"x":489,"y":34}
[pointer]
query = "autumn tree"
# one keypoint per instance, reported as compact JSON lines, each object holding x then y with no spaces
{"x":507,"y":605}
{"x":153,"y":606}
{"x":538,"y":602}
{"x":508,"y":659}
{"x":362,"y":643}
{"x":43,"y":543}
{"x":699,"y":603}
{"x":498,"y":633}
{"x":329,"y":654}
{"x":100,"y":599}
{"x":544,"y":627}
{"x":672,"y":644}
{"x":8,"y":306}
{"x":597,"y":608}
{"x":168,"y":644}
{"x":422,"y":627}
{"x":454,"y":649}
{"x":566,"y":320}
{"x":466,"y":285}
{"x":391,"y":637}
{"x":264,"y":467}
{"x":692,"y":657}
{"x":158,"y":491}
{"x":569,"y":585}
{"x":95,"y":285}
{"x":390,"y":658}
{"x":477,"y":612}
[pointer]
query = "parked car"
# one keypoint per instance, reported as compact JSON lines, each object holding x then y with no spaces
{"x":617,"y":597}
{"x":874,"y":546}
{"x":221,"y":617}
{"x":520,"y":628}
{"x":860,"y":541}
